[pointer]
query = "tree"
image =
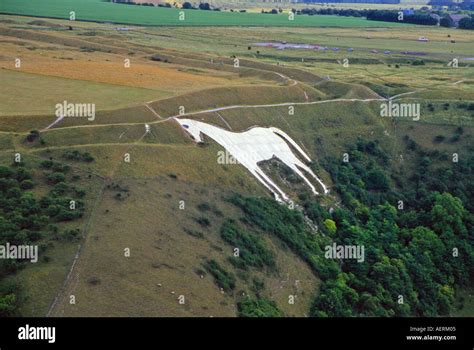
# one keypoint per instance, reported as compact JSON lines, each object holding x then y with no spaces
{"x":447,"y":214}
{"x":261,"y":307}
{"x":445,"y":22}
{"x":27,"y":184}
{"x":330,"y":225}
{"x":336,"y":298}
{"x":55,"y":178}
{"x":32,"y":136}
{"x":204,"y":6}
{"x":7,"y":305}
{"x":466,"y":23}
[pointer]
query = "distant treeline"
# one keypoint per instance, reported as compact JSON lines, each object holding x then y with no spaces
{"x":393,"y":16}
{"x":354,"y":1}
{"x":140,"y":3}
{"x":467,"y":23}
{"x":375,"y":15}
{"x":421,"y":18}
{"x":333,"y":11}
{"x":466,"y":4}
{"x":186,"y":5}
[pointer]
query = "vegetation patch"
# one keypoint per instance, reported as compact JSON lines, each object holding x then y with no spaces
{"x":27,"y":219}
{"x":224,"y":279}
{"x":261,"y":307}
{"x":415,"y":257}
{"x":78,"y":156}
{"x":252,"y":249}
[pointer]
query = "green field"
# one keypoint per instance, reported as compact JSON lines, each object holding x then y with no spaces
{"x":60,"y":89}
{"x":96,"y":10}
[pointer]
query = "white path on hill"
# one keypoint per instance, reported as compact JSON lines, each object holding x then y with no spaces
{"x":57,"y":120}
{"x":214,"y":110}
{"x":253,"y":146}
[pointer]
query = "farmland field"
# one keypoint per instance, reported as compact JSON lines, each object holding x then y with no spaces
{"x":165,"y":218}
{"x":97,"y":10}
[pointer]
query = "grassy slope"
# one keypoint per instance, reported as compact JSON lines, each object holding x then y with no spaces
{"x":106,"y":96}
{"x":95,"y":10}
{"x":253,"y":95}
{"x":165,"y":261}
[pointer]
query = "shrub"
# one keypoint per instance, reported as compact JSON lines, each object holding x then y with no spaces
{"x":187,"y":6}
{"x":55,"y":178}
{"x":439,"y":138}
{"x":94,"y":281}
{"x":330,"y":226}
{"x":223,"y":279}
{"x":78,"y":156}
{"x":26,"y":184}
{"x":252,"y":250}
{"x":203,"y":221}
{"x":32,"y":136}
{"x":204,"y":206}
{"x":261,"y":307}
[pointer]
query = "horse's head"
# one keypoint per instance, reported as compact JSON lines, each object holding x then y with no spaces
{"x":192,"y":127}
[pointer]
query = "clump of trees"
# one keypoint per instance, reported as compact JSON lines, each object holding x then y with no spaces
{"x":417,"y":17}
{"x":392,"y":16}
{"x":415,"y":255}
{"x":290,"y":227}
{"x":467,"y":23}
{"x":202,"y":6}
{"x":26,"y":219}
{"x":140,"y":3}
{"x":78,"y":156}
{"x":333,"y":11}
{"x":261,"y":307}
{"x":252,"y":249}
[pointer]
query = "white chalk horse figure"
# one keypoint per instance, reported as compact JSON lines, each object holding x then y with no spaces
{"x":253,"y":146}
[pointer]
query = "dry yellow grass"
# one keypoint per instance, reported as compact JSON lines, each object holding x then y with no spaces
{"x":110,"y":70}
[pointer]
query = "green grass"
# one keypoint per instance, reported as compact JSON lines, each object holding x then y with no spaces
{"x":163,"y":133}
{"x":230,"y":96}
{"x":29,"y":94}
{"x":6,"y":141}
{"x":41,"y":282}
{"x":96,"y":10}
